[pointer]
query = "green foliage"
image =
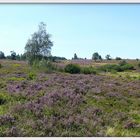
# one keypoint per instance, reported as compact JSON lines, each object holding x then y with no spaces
{"x":39,"y":44}
{"x":75,"y":56}
{"x":16,"y":65}
{"x":108,"y":57}
{"x":96,"y":56}
{"x":113,"y":71}
{"x":23,"y":56}
{"x":118,"y":68}
{"x":72,"y":68}
{"x":17,"y":57}
{"x":139,"y":65}
{"x":128,"y":76}
{"x":0,"y":65}
{"x":13,"y":55}
{"x":2,"y":56}
{"x":35,"y":63}
{"x":16,"y":79}
{"x":54,"y":58}
{"x":127,"y":67}
{"x":109,"y":68}
{"x":2,"y":84}
{"x":2,"y":100}
{"x":31,"y":76}
{"x":88,"y":70}
{"x":47,"y":66}
{"x":45,"y":63}
{"x":118,"y":58}
{"x":122,"y":63}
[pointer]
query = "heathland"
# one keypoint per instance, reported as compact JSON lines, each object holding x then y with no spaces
{"x":70,"y":98}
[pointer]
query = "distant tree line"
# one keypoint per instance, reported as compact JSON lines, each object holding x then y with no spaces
{"x":23,"y":57}
{"x":97,"y":57}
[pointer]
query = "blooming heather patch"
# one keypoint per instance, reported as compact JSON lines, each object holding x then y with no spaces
{"x":60,"y":104}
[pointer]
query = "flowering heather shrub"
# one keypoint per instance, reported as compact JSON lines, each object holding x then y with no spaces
{"x":129,"y":125}
{"x":114,"y":94}
{"x":6,"y":119}
{"x":13,"y":132}
{"x":14,"y":88}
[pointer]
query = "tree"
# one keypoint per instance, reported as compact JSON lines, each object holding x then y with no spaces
{"x":23,"y":56}
{"x":108,"y":57}
{"x":75,"y":56}
{"x":2,"y":56}
{"x":18,"y":57}
{"x":39,"y":44}
{"x":96,"y":56}
{"x":118,"y":58}
{"x":100,"y":58}
{"x":13,"y":55}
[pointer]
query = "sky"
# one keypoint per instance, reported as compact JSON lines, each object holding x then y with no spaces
{"x":75,"y":28}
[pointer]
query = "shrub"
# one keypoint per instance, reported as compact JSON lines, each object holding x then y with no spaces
{"x":88,"y":70}
{"x":118,"y":58}
{"x":31,"y":76}
{"x":0,"y":66}
{"x":72,"y":68}
{"x":118,"y":68}
{"x":122,"y":63}
{"x":127,"y":67}
{"x":139,"y":65}
{"x":109,"y":68}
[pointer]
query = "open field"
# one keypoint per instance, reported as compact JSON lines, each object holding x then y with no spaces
{"x":36,"y":103}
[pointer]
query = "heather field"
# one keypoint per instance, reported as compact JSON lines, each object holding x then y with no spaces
{"x":35,"y":102}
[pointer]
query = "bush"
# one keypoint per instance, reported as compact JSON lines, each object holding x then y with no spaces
{"x":139,"y":65}
{"x":122,"y":63}
{"x":72,"y":68}
{"x":109,"y":68}
{"x":118,"y":58}
{"x":127,"y":67}
{"x":118,"y":68}
{"x":31,"y":76}
{"x":88,"y":70}
{"x":0,"y":66}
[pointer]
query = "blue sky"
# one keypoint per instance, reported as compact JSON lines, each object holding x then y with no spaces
{"x":75,"y":28}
